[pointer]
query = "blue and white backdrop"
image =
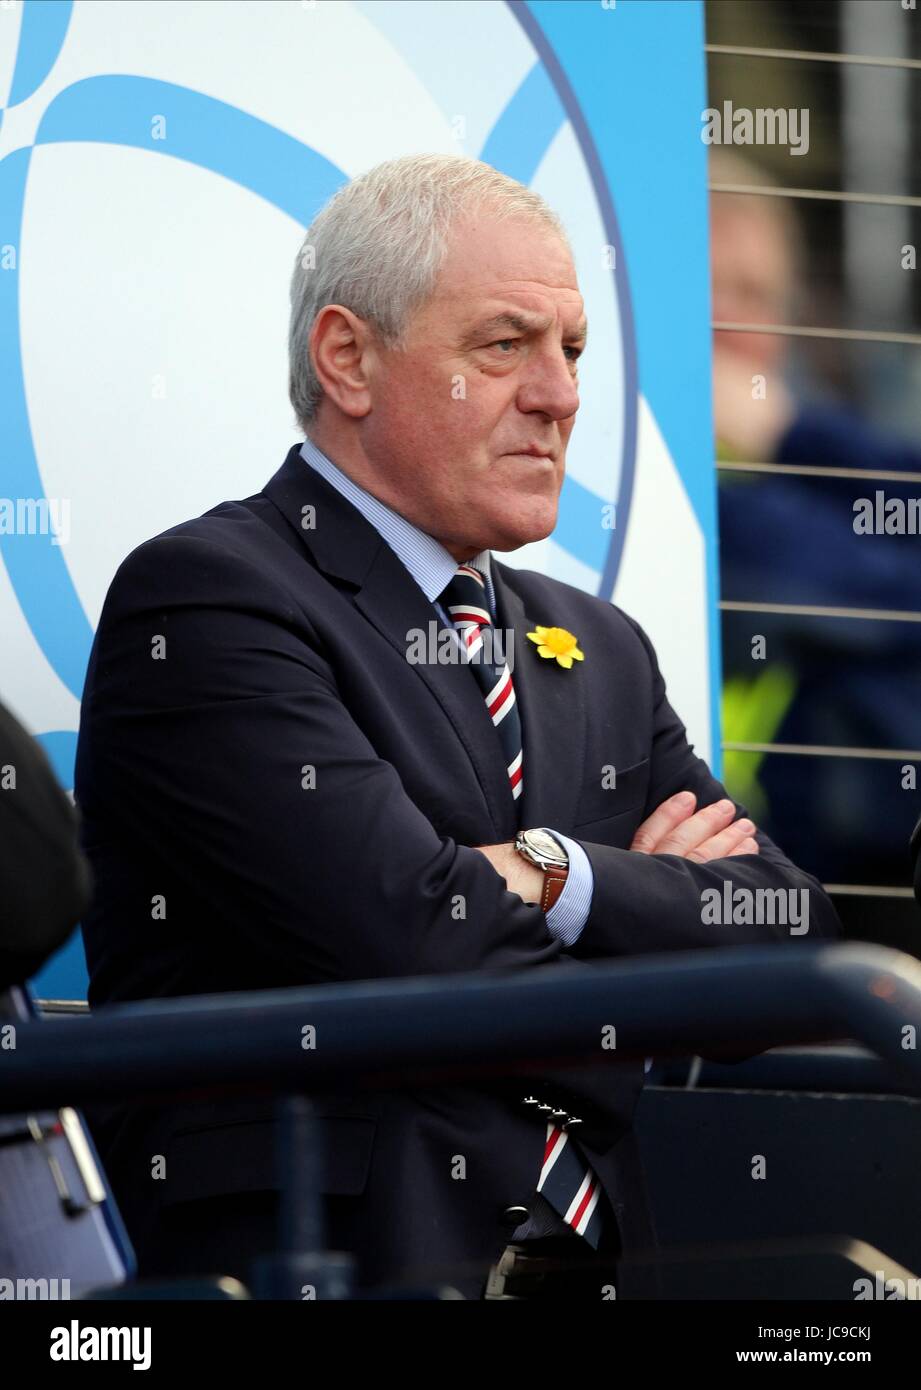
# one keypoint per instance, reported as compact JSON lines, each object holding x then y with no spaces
{"x":158,"y":164}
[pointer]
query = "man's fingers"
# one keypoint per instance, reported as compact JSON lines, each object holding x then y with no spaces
{"x":699,"y":828}
{"x":674,"y":828}
{"x":663,"y":820}
{"x":724,"y":844}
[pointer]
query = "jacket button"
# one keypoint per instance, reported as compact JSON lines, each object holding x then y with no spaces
{"x":514,"y":1216}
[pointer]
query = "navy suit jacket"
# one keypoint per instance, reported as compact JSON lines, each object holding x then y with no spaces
{"x":285,"y":647}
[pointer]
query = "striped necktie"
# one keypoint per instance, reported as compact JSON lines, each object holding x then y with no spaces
{"x":467,"y":604}
{"x":570,"y":1185}
{"x":566,"y":1180}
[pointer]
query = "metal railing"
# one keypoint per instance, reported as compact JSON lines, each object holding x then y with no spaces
{"x":450,"y":1030}
{"x":456,"y":1029}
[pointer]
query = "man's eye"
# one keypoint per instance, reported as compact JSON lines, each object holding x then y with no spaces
{"x":503,"y":342}
{"x":576,"y":353}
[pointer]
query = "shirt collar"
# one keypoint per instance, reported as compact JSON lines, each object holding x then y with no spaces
{"x":429,"y":563}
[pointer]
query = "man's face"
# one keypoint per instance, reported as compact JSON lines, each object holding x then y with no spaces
{"x":751,"y":277}
{"x":470,"y":418}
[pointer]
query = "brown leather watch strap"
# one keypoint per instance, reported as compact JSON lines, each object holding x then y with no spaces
{"x":554,"y":881}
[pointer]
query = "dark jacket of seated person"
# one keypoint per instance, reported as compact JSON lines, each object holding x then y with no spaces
{"x":44,"y":878}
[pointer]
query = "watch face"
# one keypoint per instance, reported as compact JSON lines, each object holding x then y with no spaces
{"x":545,"y":846}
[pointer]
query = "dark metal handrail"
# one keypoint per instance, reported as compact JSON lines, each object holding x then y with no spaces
{"x":455,"y":1029}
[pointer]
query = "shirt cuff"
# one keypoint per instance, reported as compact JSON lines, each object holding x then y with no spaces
{"x":569,"y":913}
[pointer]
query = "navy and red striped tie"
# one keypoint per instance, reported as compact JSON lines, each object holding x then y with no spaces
{"x":466,"y":602}
{"x":566,"y":1180}
{"x":570,"y":1186}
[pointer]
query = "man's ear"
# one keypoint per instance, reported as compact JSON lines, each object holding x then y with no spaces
{"x":342,"y":348}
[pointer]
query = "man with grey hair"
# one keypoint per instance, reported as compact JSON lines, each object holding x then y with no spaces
{"x":339,"y":772}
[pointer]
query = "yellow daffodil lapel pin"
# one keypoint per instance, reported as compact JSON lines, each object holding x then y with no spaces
{"x":557,"y":642}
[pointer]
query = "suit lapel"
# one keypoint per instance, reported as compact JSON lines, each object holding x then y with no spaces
{"x":551,"y":702}
{"x":346,"y":547}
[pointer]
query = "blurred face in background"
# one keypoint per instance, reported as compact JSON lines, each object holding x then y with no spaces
{"x":752,"y":275}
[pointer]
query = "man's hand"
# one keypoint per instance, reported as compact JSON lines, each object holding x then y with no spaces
{"x":674,"y":828}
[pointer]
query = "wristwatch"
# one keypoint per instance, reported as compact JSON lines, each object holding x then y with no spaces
{"x":543,"y":849}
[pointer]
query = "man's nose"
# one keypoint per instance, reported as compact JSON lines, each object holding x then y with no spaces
{"x":549,"y":386}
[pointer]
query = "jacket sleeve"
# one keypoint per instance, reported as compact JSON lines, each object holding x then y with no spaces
{"x":645,"y":903}
{"x":214,"y":732}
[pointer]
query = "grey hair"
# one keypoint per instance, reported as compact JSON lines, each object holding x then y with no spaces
{"x":378,"y":244}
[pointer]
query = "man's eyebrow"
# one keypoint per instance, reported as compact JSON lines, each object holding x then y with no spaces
{"x":522,"y":323}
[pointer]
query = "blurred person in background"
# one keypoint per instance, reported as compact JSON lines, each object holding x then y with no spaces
{"x":791,"y":539}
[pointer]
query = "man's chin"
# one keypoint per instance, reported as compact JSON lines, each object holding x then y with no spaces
{"x":515,"y":539}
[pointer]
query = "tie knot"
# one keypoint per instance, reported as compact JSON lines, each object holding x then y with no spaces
{"x":465,"y":598}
